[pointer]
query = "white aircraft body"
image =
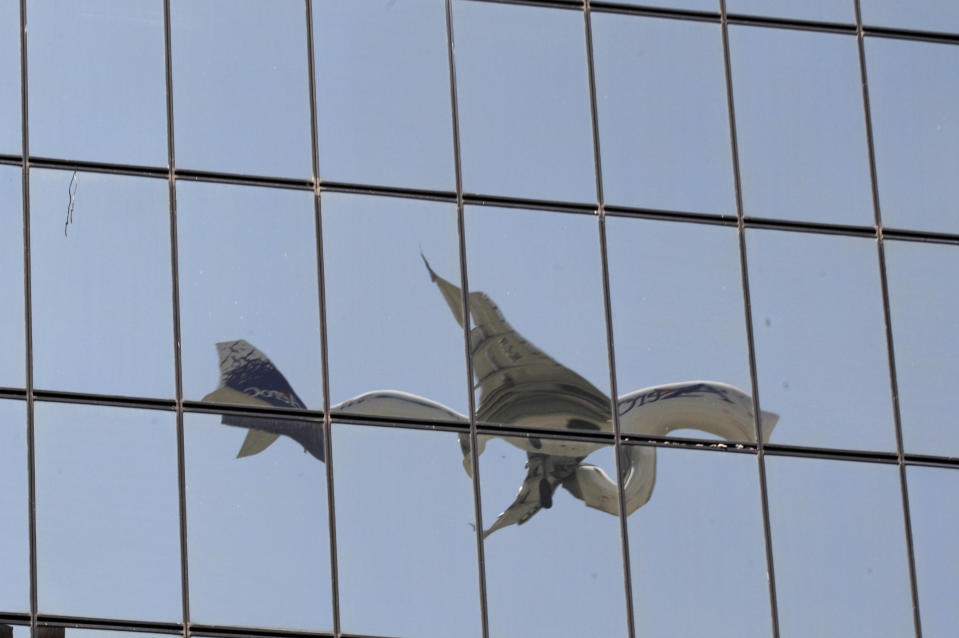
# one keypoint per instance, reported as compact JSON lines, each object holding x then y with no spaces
{"x":519,"y":385}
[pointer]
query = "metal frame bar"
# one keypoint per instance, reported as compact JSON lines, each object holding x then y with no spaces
{"x":30,"y":395}
{"x":887,"y":319}
{"x":748,"y":321}
{"x":465,"y":310}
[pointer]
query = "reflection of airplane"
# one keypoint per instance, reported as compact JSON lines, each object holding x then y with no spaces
{"x":519,"y":385}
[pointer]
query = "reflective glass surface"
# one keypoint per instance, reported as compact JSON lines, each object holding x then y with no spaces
{"x":248,"y":295}
{"x":257,"y":522}
{"x":523,"y":102}
{"x":663,"y":125}
{"x":71,"y":632}
{"x":10,"y":141}
{"x":695,"y":5}
{"x":925,"y":313}
{"x":820,"y":339}
{"x":12,"y":363}
{"x":678,"y":321}
{"x":816,"y":10}
{"x":241,"y":87}
{"x":536,"y":302}
{"x":97,"y":88}
{"x":101,"y":283}
{"x":915,"y":119}
{"x":553,"y":560}
{"x":14,"y":524}
{"x":391,"y":328}
{"x":934,"y":514}
{"x":108,"y":540}
{"x":405,"y":533}
{"x":839,"y":548}
{"x":383,"y":93}
{"x":925,"y":15}
{"x":801,"y":125}
{"x":696,"y":547}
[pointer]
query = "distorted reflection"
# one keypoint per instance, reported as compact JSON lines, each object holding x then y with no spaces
{"x":518,"y":385}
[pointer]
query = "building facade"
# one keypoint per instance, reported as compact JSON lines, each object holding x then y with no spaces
{"x":699,"y":383}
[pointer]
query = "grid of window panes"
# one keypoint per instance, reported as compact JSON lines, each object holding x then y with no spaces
{"x":730,"y":228}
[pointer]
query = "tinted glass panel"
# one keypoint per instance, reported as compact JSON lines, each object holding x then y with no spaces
{"x":97,"y":80}
{"x":801,"y":127}
{"x":14,"y":524}
{"x":10,"y":141}
{"x":390,"y":326}
{"x":696,"y":5}
{"x":679,"y":323}
{"x":925,"y":313}
{"x":839,"y":547}
{"x":696,"y":547}
{"x":404,"y":518}
{"x":523,"y":102}
{"x":248,"y":295}
{"x":108,"y":540}
{"x":70,"y":632}
{"x":101,"y":280}
{"x":934,"y":514}
{"x":663,"y":126}
{"x":818,"y":10}
{"x":926,"y":15}
{"x":383,"y":93}
{"x":536,"y":299}
{"x":820,"y":339}
{"x":558,"y":573}
{"x":257,"y":522}
{"x":241,"y":87}
{"x":12,"y":363}
{"x":915,"y":115}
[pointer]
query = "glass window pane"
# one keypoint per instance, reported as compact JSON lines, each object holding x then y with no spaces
{"x":695,"y":5}
{"x":925,"y":15}
{"x":539,"y":338}
{"x":915,"y":119}
{"x":241,"y":87}
{"x":820,"y":339}
{"x":404,"y":520}
{"x":257,"y":522}
{"x":101,"y":280}
{"x":697,"y":548}
{"x":248,"y":295}
{"x":383,"y":93}
{"x":14,"y":524}
{"x":933,"y":512}
{"x":71,"y":632}
{"x":97,"y":85}
{"x":391,"y":327}
{"x":12,"y":361}
{"x":679,"y":326}
{"x":653,"y":147}
{"x":925,"y":313}
{"x":816,"y":10}
{"x":840,"y":548}
{"x":10,"y":141}
{"x":554,"y":566}
{"x":108,"y":539}
{"x":800,"y":124}
{"x":524,"y":102}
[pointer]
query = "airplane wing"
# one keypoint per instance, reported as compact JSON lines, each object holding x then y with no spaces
{"x":710,"y":406}
{"x":544,"y":474}
{"x":518,"y":382}
{"x":248,"y":377}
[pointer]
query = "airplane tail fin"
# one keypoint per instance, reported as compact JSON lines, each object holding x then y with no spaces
{"x":248,"y":377}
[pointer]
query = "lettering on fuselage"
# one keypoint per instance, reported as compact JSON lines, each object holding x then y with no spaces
{"x":664,"y":395}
